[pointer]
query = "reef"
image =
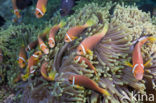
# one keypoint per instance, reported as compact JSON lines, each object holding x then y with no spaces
{"x":126,"y":25}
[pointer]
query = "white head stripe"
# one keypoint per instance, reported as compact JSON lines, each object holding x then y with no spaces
{"x":22,"y":58}
{"x":83,"y":49}
{"x":142,"y":38}
{"x":29,"y":47}
{"x":39,"y":11}
{"x":52,"y":39}
{"x":16,"y":10}
{"x":42,"y":45}
{"x":36,"y":56}
{"x":73,"y":81}
{"x":142,"y":66}
{"x":78,"y":58}
{"x":66,"y":1}
{"x":68,"y":37}
{"x":134,"y":68}
{"x":32,"y":69}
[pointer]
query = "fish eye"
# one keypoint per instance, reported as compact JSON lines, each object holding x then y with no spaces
{"x":75,"y":59}
{"x":80,"y":50}
{"x":70,"y":80}
{"x":39,"y":14}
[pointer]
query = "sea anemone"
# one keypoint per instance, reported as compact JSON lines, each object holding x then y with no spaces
{"x":126,"y":25}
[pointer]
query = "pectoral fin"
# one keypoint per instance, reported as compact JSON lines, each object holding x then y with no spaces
{"x":89,"y":52}
{"x":44,"y":9}
{"x":147,"y":63}
{"x":79,"y":87}
{"x":128,"y":64}
{"x":74,"y":37}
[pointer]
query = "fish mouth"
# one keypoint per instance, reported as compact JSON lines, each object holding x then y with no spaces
{"x":66,"y":41}
{"x":46,"y":51}
{"x":139,"y":76}
{"x":51,"y":45}
{"x":39,"y":13}
{"x":78,"y":53}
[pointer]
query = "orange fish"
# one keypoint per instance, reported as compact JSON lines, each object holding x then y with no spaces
{"x":33,"y":44}
{"x":90,"y":42}
{"x":16,"y":11}
{"x":43,"y":71}
{"x":138,"y":66}
{"x":32,"y":61}
{"x":87,"y":62}
{"x":42,"y":45}
{"x":41,"y":8}
{"x":73,"y":32}
{"x":87,"y":83}
{"x":1,"y":56}
{"x":22,"y":57}
{"x":53,"y":32}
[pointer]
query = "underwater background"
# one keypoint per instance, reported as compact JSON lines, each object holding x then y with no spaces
{"x":49,"y":81}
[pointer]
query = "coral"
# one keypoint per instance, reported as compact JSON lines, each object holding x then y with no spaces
{"x":126,"y":24}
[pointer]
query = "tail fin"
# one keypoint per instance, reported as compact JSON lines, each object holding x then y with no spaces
{"x":44,"y":9}
{"x":25,"y":77}
{"x":46,"y":30}
{"x":105,"y":29}
{"x":52,"y":75}
{"x":62,"y":24}
{"x":44,"y":75}
{"x":90,"y":23}
{"x":105,"y":92}
{"x":152,"y":39}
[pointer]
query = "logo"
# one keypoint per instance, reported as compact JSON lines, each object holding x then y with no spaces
{"x":138,"y":97}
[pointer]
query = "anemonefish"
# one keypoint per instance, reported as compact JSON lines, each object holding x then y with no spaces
{"x":22,"y":57}
{"x":32,"y":61}
{"x":43,"y":46}
{"x":90,"y":42}
{"x":1,"y":56}
{"x":138,"y":66}
{"x":16,"y":11}
{"x":53,"y":32}
{"x":73,"y":32}
{"x":79,"y":59}
{"x":43,"y":70}
{"x":41,"y":8}
{"x":33,"y":44}
{"x":87,"y":83}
